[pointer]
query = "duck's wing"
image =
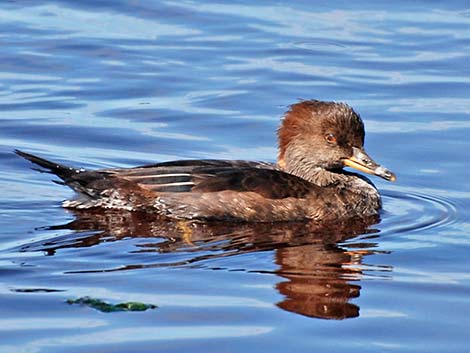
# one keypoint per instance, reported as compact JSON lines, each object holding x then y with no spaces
{"x":186,"y":176}
{"x":203,"y":176}
{"x":268,"y":183}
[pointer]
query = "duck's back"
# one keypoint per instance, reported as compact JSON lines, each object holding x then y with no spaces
{"x":189,"y":189}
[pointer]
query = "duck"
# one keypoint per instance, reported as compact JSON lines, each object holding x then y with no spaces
{"x":316,"y":141}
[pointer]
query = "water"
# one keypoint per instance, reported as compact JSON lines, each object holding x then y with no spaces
{"x":123,"y":83}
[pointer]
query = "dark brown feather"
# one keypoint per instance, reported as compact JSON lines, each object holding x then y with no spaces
{"x":268,"y":183}
{"x":213,"y":176}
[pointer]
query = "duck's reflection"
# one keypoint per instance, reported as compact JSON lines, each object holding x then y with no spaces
{"x":317,"y":283}
{"x":319,"y":277}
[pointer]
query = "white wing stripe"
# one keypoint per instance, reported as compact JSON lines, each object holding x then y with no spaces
{"x":173,"y":184}
{"x":157,"y":176}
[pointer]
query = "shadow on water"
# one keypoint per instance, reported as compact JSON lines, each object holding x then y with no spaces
{"x":318,"y":274}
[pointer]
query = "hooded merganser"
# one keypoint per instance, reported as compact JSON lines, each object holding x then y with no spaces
{"x":316,"y":140}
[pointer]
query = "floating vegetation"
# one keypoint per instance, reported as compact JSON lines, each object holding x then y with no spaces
{"x":109,"y":308}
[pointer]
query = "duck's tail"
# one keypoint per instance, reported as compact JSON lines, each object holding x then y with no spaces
{"x":62,"y":171}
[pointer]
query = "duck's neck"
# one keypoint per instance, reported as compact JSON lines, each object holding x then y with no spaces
{"x":318,"y":175}
{"x":293,"y":161}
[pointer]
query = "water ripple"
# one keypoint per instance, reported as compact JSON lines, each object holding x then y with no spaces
{"x":412,"y":212}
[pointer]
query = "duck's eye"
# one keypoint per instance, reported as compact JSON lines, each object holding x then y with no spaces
{"x":330,"y":137}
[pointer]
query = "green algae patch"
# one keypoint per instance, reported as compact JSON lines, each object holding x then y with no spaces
{"x":109,"y":308}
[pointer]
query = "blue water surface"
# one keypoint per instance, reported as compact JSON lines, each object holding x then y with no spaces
{"x":122,"y":83}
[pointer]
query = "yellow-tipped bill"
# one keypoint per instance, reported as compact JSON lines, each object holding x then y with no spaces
{"x":361,"y":161}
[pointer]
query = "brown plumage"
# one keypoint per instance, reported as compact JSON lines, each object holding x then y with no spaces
{"x":316,"y":140}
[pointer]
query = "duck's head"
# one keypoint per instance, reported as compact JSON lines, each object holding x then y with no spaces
{"x":325,"y":135}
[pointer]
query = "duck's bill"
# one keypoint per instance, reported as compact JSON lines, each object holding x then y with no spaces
{"x":361,"y":161}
